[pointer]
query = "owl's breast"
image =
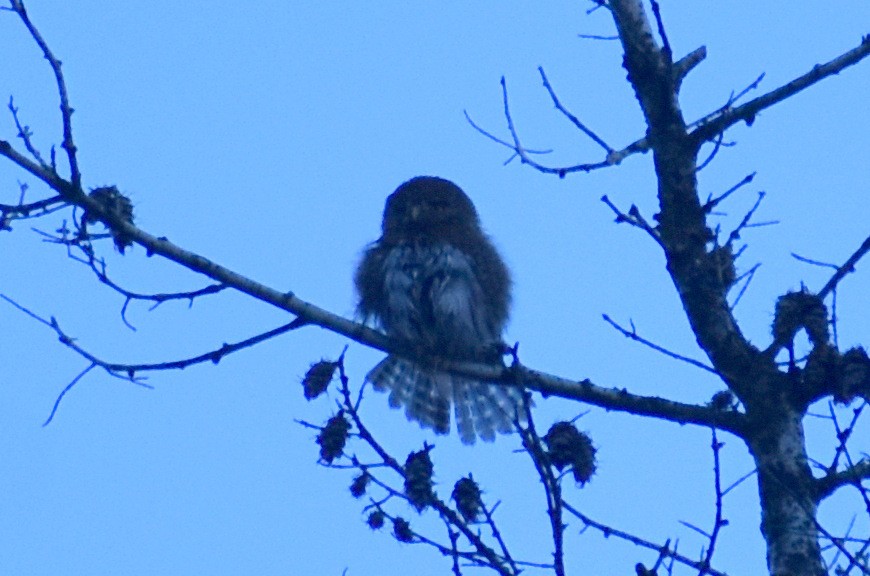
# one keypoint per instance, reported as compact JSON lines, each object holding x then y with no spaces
{"x":434,"y":299}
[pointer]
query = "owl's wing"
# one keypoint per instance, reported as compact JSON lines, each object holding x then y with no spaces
{"x":459,"y":310}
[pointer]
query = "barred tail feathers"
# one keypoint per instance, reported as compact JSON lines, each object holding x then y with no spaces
{"x":424,"y":394}
{"x":481,"y":409}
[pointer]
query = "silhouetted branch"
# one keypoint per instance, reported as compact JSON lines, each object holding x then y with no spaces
{"x":850,"y":476}
{"x":846,"y":268}
{"x":637,"y":541}
{"x":129,"y":371}
{"x":709,"y":127}
{"x":63,"y":392}
{"x":713,"y":202}
{"x":25,"y":134}
{"x":65,"y":108}
{"x":484,"y":555}
{"x":635,"y":218}
{"x":534,"y":446}
{"x":686,"y":64}
{"x":749,"y":275}
{"x":719,"y":521}
{"x":574,"y":120}
{"x":634,"y":336}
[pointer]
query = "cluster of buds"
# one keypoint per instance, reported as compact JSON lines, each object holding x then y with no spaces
{"x":317,"y":378}
{"x":418,"y":479}
{"x":333,"y":437}
{"x":797,"y":310}
{"x":466,"y":494}
{"x":117,"y":206}
{"x":568,"y":447}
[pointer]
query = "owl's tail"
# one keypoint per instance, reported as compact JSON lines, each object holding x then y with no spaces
{"x":481,"y":409}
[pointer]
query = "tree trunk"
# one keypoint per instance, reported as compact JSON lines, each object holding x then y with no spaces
{"x":786,"y":490}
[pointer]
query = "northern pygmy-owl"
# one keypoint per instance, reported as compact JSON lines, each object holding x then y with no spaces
{"x":435,"y":283}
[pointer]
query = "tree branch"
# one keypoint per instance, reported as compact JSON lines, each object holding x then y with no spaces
{"x":851,"y":476}
{"x":718,"y":122}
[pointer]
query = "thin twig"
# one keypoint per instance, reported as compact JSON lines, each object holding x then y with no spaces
{"x":129,"y":371}
{"x":634,"y":336}
{"x":708,"y":127}
{"x":719,"y":521}
{"x":552,"y":489}
{"x":492,"y":559}
{"x":63,"y":392}
{"x":634,"y":218}
{"x":713,"y":202}
{"x":637,"y":541}
{"x":25,"y":134}
{"x":749,"y":275}
{"x":66,"y":111}
{"x":735,"y":234}
{"x":846,"y":268}
{"x":574,"y":120}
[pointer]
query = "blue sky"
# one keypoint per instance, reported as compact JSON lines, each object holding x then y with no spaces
{"x":266,"y":136}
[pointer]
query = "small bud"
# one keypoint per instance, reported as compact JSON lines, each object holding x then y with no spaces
{"x":418,"y":479}
{"x":376,"y":520}
{"x":333,"y":437}
{"x":402,"y":530}
{"x":722,"y":400}
{"x":854,"y":376}
{"x":359,"y":484}
{"x":570,"y":447}
{"x":317,"y":378}
{"x":466,"y":494}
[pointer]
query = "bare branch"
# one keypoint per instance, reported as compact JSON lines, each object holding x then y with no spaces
{"x":635,"y":218}
{"x":719,"y":521}
{"x":735,"y":234}
{"x":25,"y":134}
{"x":718,"y":122}
{"x":574,"y":120}
{"x":65,"y":109}
{"x":621,"y":400}
{"x":851,"y":476}
{"x":846,"y":268}
{"x":64,"y":391}
{"x":500,"y":141}
{"x":637,"y":541}
{"x":493,"y":560}
{"x":129,"y":371}
{"x":534,"y":446}
{"x":686,"y":64}
{"x":634,"y":336}
{"x":713,"y":202}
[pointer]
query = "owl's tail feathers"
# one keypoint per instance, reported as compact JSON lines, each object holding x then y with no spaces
{"x":424,"y":394}
{"x":481,"y":409}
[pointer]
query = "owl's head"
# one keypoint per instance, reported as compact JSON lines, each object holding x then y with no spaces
{"x":428,"y":208}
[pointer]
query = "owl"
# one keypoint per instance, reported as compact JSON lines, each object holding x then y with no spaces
{"x":437,"y":286}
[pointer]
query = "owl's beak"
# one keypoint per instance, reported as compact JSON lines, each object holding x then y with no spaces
{"x":415,"y":213}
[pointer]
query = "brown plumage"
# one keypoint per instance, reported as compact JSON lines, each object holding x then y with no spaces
{"x":435,"y":283}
